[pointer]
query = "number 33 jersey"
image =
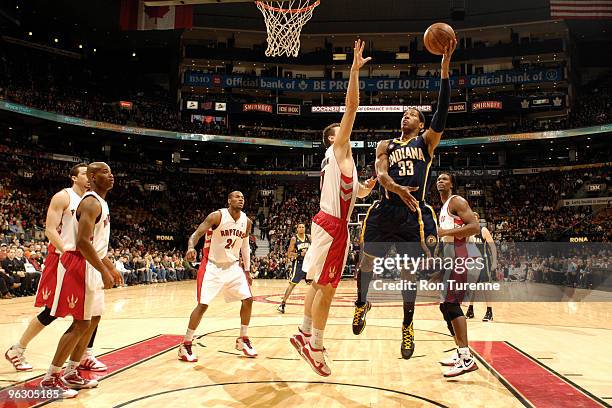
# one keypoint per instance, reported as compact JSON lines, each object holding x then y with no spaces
{"x":226,"y":240}
{"x":409,"y":164}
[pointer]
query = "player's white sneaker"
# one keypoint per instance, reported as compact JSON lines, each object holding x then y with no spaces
{"x":186,"y":354}
{"x":299,"y":340}
{"x":15,"y":356}
{"x":54,"y":383}
{"x":244,"y":344}
{"x":76,"y":382}
{"x":451,"y":360}
{"x":316,"y":359}
{"x":91,"y":363}
{"x":464,"y":364}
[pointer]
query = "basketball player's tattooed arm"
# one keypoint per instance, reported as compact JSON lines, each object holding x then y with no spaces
{"x":342,"y":147}
{"x":212,"y":221}
{"x":491,"y":243}
{"x":58,"y":204}
{"x":291,"y":252}
{"x":382,"y":172}
{"x":460,"y":207}
{"x":88,"y":212}
{"x":433,"y":135}
{"x":366,"y":187}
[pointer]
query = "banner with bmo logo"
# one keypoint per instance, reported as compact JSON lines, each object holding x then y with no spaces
{"x":288,"y":109}
{"x":257,"y":107}
{"x":485,"y":105}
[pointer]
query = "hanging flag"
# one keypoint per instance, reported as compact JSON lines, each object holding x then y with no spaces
{"x":581,"y":9}
{"x":134,"y":15}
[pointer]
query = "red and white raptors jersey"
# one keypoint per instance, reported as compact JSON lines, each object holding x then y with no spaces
{"x":449,"y":221}
{"x":223,"y":245}
{"x":101,"y":234}
{"x":66,"y":226}
{"x":338,"y":192}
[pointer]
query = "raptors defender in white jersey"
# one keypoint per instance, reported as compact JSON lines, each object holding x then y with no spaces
{"x":326,"y":256}
{"x":81,"y":276}
{"x":60,"y":216}
{"x":227,"y":239}
{"x":458,"y":224}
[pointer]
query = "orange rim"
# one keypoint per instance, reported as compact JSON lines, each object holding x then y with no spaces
{"x":282,"y":10}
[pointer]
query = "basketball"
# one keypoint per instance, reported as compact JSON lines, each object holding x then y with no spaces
{"x":437,"y":37}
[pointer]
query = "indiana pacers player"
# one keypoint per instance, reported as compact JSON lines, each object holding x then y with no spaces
{"x":297,"y":249}
{"x":402,"y":217}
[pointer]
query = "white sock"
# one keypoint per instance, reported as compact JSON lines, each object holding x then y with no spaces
{"x":316,"y":340}
{"x":189,"y":336}
{"x":464,"y":352}
{"x":71,"y":367}
{"x":306,"y":325}
{"x":243,"y":330}
{"x":18,"y":346}
{"x":52,"y":370}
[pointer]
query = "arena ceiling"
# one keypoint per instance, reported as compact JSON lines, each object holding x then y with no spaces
{"x":379,"y":16}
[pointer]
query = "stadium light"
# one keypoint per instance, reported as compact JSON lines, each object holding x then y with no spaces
{"x":133,"y":54}
{"x":55,"y":40}
{"x":30,"y":33}
{"x":80,"y":46}
{"x":94,"y":50}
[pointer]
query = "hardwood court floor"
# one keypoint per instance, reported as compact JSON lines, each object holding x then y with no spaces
{"x":572,"y":340}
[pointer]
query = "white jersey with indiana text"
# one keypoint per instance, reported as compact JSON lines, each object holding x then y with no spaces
{"x":226,"y":240}
{"x":338,"y":192}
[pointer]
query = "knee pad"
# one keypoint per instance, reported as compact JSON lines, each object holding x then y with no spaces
{"x":45,"y":317}
{"x":453,"y":311}
{"x":447,"y":317}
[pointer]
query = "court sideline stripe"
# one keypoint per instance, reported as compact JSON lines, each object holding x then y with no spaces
{"x":539,"y":385}
{"x":172,"y":340}
{"x":99,"y":355}
{"x":502,"y":380}
{"x":562,"y":377}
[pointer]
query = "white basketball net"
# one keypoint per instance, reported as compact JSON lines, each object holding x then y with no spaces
{"x":284,"y":24}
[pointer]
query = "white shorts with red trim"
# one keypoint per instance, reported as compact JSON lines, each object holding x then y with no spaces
{"x":231,"y":280}
{"x":80,"y":290}
{"x":326,"y":257}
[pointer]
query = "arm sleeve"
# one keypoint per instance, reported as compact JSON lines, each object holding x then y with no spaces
{"x":438,"y":122}
{"x":245,"y":251}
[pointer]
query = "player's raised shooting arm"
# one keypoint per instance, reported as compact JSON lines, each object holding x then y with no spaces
{"x":433,"y":135}
{"x":212,"y":221}
{"x":59,"y":203}
{"x":291,"y":251}
{"x":245,"y":250}
{"x":491,"y":243}
{"x":88,"y":212}
{"x":460,"y":207}
{"x":341,"y":142}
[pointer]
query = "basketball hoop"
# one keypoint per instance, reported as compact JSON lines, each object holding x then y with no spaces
{"x":284,"y":24}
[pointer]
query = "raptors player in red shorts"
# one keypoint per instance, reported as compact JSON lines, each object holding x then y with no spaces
{"x":58,"y":225}
{"x":227,"y":239}
{"x":326,"y":257}
{"x":81,"y":276}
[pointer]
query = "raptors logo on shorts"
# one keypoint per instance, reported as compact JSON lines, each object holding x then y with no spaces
{"x":48,"y":279}
{"x":80,"y":289}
